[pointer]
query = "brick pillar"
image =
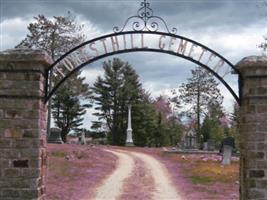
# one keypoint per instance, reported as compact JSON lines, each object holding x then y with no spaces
{"x":253,"y":128}
{"x":22,"y":124}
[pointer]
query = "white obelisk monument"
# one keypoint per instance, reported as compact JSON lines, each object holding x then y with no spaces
{"x":129,"y":139}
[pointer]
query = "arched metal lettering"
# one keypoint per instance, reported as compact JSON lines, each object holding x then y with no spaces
{"x":144,"y":39}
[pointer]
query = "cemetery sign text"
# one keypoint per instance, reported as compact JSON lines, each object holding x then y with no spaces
{"x":134,"y":41}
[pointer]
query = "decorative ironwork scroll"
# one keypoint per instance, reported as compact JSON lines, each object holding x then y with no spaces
{"x":145,"y":21}
{"x":144,"y":36}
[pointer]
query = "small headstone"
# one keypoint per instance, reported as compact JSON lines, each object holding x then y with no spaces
{"x":227,"y":154}
{"x":174,"y":149}
{"x":210,"y":145}
{"x":81,"y":139}
{"x":55,"y":136}
{"x":227,"y":146}
{"x":205,"y":146}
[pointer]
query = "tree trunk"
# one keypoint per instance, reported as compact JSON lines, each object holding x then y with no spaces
{"x":48,"y":125}
{"x":64,"y":134}
{"x":49,"y":89}
{"x":198,"y":116}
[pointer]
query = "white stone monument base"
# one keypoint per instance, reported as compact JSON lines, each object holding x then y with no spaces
{"x":129,"y":139}
{"x":129,"y":144}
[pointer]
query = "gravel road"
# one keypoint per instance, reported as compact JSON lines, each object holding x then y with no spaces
{"x":113,"y":187}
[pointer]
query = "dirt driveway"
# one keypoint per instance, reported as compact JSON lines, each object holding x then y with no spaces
{"x":137,"y":167}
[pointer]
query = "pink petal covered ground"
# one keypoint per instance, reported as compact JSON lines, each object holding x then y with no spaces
{"x":210,"y":191}
{"x":178,"y":166}
{"x":74,"y":171}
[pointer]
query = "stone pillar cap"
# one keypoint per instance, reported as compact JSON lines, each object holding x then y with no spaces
{"x":252,"y":61}
{"x":25,"y":55}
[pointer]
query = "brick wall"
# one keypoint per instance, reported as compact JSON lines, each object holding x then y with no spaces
{"x":22,"y":124}
{"x":253,"y":128}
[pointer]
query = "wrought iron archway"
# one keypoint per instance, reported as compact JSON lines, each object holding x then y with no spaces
{"x":142,"y":25}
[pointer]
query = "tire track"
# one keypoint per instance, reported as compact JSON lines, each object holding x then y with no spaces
{"x":140,"y":184}
{"x":164,"y":189}
{"x":112,"y":186}
{"x":137,"y":176}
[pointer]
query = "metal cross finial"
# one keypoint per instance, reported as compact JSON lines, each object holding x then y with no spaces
{"x":263,"y":45}
{"x":145,"y":21}
{"x":145,"y":10}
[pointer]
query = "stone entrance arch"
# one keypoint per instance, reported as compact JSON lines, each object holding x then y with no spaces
{"x":23,"y":93}
{"x":23,"y":125}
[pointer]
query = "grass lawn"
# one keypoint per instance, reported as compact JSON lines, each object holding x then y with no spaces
{"x":205,"y":176}
{"x":74,"y":171}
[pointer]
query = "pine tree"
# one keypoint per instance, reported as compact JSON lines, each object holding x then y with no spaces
{"x":212,"y":127}
{"x":67,"y":106}
{"x":68,"y":112}
{"x":120,"y":87}
{"x":200,"y":91}
{"x":144,"y":121}
{"x":130,"y":94}
{"x":234,"y":124}
{"x":57,"y":36}
{"x":112,"y":94}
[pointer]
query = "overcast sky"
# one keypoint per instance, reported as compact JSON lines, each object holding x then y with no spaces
{"x":233,"y":28}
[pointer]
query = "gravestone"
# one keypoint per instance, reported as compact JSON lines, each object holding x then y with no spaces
{"x":210,"y":145}
{"x":228,"y":144}
{"x":55,"y":136}
{"x":189,"y":140}
{"x":227,"y":154}
{"x":82,"y":140}
{"x":205,"y":146}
